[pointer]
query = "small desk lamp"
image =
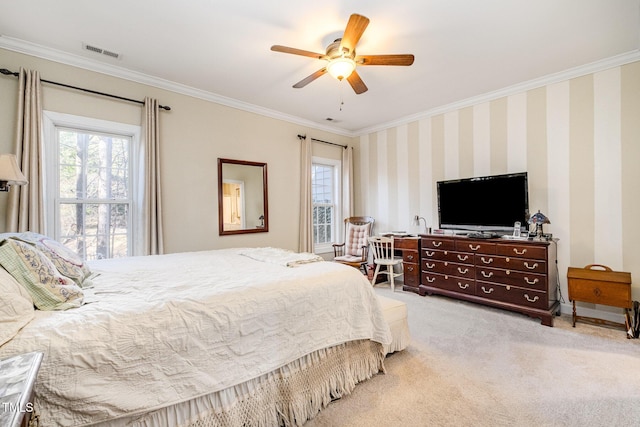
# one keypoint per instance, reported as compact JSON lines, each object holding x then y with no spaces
{"x":538,"y":219}
{"x":416,"y":221}
{"x":10,"y":172}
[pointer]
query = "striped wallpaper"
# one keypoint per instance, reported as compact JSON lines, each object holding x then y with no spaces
{"x":578,"y":139}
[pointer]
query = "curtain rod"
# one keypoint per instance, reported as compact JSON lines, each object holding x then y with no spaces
{"x":324,"y":142}
{"x":11,"y":73}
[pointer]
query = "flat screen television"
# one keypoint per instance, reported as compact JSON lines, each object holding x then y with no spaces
{"x":484,"y":204}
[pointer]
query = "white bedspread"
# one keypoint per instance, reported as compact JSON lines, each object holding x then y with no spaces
{"x":163,"y":329}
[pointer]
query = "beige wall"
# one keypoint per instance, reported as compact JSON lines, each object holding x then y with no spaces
{"x":193,"y":135}
{"x":579,"y":140}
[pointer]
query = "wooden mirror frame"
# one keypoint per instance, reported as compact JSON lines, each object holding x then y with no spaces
{"x":265,"y":228}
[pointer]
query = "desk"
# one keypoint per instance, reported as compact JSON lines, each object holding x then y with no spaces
{"x":410,"y":248}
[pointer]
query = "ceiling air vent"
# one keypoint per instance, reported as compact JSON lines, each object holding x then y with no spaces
{"x":101,"y":51}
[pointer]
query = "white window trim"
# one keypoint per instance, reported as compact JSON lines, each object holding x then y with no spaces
{"x":52,"y":120}
{"x":338,"y":231}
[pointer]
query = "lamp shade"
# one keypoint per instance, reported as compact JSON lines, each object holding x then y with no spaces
{"x":539,"y":218}
{"x":9,"y":170}
{"x":341,"y":67}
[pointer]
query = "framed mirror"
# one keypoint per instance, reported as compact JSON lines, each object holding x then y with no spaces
{"x":242,"y":197}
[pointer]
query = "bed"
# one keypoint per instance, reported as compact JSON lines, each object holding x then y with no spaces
{"x":237,"y":337}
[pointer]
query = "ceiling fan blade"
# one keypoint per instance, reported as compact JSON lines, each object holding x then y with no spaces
{"x":309,"y":79}
{"x":294,"y":51}
{"x":355,"y":27}
{"x":356,"y":83}
{"x":385,"y":59}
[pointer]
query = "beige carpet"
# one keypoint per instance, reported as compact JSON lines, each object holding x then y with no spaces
{"x":470,"y":365}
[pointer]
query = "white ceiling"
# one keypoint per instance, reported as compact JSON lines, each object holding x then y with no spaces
{"x":220,"y":50}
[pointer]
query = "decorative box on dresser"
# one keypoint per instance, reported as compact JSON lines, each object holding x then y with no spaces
{"x":517,"y":275}
{"x":410,"y":247}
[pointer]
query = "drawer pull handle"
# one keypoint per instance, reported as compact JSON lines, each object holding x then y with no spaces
{"x":524,"y":251}
{"x":474,"y":248}
{"x":531,"y":267}
{"x":429,"y":253}
{"x":486,"y":274}
{"x":430,"y":265}
{"x":486,"y":261}
{"x":463,"y":258}
{"x":531,"y":282}
{"x":461,"y":271}
{"x":431,"y":279}
{"x":437,"y":244}
{"x":410,"y":257}
{"x":487,"y":291}
{"x":410,"y":268}
{"x":534,"y":299}
{"x":461,"y":286}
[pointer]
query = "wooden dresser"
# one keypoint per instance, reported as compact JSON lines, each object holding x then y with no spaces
{"x":410,"y":247}
{"x":517,"y":275}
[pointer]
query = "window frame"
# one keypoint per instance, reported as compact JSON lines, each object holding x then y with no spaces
{"x":337,"y":228}
{"x":52,"y":121}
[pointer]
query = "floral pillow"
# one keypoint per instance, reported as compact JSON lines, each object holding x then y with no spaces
{"x":49,"y":289}
{"x":67,"y":262}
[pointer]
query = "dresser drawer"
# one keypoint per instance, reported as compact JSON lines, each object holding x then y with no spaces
{"x":522,"y":251}
{"x":451,"y":283}
{"x":410,"y":256}
{"x":437,"y":243}
{"x":460,"y":270}
{"x":513,"y":294}
{"x":432,"y":265}
{"x":405,"y":243}
{"x":475,"y":246}
{"x":512,"y":277}
{"x":511,"y":263}
{"x":411,"y":275}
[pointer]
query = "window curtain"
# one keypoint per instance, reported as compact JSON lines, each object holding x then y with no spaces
{"x":305,"y":243}
{"x":151,"y":218}
{"x":25,"y":209}
{"x":347,"y":182}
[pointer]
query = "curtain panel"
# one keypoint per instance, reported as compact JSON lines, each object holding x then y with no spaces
{"x":347,"y":182}
{"x":25,"y":209}
{"x":305,"y":243}
{"x":151,"y":218}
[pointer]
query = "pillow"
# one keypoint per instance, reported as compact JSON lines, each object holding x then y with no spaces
{"x":67,"y":262}
{"x":16,"y":307}
{"x":49,"y":289}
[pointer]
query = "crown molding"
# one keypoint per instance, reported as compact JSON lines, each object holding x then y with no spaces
{"x":594,"y":67}
{"x":54,"y":55}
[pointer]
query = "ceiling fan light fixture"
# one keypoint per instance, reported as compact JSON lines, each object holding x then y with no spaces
{"x":341,"y":67}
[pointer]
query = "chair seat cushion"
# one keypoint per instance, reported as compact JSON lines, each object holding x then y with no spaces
{"x":348,"y":258}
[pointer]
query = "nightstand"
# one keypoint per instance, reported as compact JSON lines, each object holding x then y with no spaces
{"x":17,"y":379}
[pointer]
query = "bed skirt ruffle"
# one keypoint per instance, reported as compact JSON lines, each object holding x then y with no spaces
{"x":288,"y":396}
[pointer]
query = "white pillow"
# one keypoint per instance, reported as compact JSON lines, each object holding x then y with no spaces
{"x":16,"y":306}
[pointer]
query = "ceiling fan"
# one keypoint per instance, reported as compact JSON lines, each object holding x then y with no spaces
{"x":342,"y":59}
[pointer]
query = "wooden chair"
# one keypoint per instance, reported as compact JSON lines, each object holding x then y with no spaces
{"x":355,"y":249}
{"x":383,"y":255}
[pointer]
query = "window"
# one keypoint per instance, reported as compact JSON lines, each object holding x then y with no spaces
{"x":89,"y":191}
{"x":325,"y":190}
